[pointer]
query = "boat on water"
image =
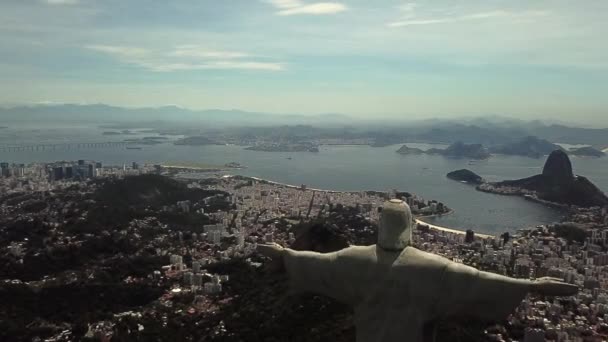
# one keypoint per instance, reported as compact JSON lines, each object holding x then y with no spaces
{"x":133,"y":148}
{"x":289,"y":158}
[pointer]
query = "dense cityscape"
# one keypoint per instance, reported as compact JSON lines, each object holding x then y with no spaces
{"x":179,"y":250}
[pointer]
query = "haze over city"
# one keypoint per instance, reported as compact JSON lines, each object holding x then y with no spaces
{"x":423,"y":59}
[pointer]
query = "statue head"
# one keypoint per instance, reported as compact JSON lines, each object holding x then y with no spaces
{"x":395,"y":232}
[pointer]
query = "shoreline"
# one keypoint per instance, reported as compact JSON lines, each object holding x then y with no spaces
{"x":452,"y":230}
{"x":417,"y":220}
{"x":526,"y":196}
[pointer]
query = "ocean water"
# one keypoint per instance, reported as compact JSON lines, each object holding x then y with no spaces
{"x":346,"y":168}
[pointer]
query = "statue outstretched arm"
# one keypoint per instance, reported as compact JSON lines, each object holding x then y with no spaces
{"x":490,"y":296}
{"x":552,"y":287}
{"x":308,"y":271}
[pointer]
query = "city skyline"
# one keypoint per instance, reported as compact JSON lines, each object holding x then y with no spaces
{"x":394,"y":59}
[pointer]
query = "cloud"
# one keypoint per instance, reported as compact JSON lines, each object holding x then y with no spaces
{"x":213,"y":65}
{"x":411,"y":20}
{"x":315,"y":9}
{"x":407,"y":7}
{"x":62,"y":2}
{"x":293,"y":7}
{"x":197,"y":51}
{"x":120,"y":51}
{"x":285,"y":3}
{"x":185,"y":57}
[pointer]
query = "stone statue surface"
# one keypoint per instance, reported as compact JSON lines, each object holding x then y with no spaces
{"x":395,"y":289}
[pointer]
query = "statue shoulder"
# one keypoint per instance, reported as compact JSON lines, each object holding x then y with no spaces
{"x":414,"y":257}
{"x":358,"y":251}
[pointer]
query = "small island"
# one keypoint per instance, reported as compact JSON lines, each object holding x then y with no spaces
{"x":123,"y":132}
{"x":456,"y":150}
{"x":409,"y":150}
{"x":196,"y":141}
{"x":587,"y":151}
{"x":301,"y":147}
{"x":147,"y":140}
{"x":465,"y":176}
{"x":235,"y":165}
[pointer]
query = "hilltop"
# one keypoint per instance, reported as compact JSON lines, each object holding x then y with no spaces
{"x":556,"y":184}
{"x":465,"y":175}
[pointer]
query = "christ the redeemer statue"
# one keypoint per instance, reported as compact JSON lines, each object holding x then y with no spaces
{"x":395,"y":289}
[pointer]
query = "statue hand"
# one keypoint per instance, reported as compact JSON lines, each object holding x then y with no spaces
{"x":273,"y":251}
{"x":553,"y":287}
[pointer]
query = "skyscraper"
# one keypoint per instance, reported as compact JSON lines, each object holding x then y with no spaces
{"x":69,"y":172}
{"x":92,"y":171}
{"x":4,"y":170}
{"x":58,"y":173}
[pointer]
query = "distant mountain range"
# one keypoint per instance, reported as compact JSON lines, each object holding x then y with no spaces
{"x":105,"y":113}
{"x":491,"y":131}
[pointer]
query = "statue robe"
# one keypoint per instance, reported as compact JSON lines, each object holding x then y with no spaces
{"x":394,"y":293}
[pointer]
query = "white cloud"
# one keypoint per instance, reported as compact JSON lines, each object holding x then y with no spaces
{"x":62,"y":2}
{"x":120,"y":51}
{"x":293,"y":7}
{"x":185,"y":57}
{"x":285,"y":3}
{"x":200,"y":52}
{"x":315,"y":9}
{"x":217,"y":65}
{"x":410,"y":20}
{"x":407,"y":7}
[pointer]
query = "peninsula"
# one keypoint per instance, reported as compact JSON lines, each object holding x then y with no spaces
{"x":557,"y":184}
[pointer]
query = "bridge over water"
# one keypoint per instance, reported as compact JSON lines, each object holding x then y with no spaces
{"x":63,"y":146}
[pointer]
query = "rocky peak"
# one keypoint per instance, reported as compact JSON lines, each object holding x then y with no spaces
{"x":558,"y":168}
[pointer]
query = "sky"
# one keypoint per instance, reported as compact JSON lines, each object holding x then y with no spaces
{"x":525,"y":59}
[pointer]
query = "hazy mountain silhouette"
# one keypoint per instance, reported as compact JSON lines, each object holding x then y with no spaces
{"x":106,"y":113}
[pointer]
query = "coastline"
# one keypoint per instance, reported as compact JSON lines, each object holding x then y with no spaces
{"x":452,"y":230}
{"x":418,"y":219}
{"x":526,"y":196}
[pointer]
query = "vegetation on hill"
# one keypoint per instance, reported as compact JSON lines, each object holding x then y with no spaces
{"x":465,"y":175}
{"x":118,"y":201}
